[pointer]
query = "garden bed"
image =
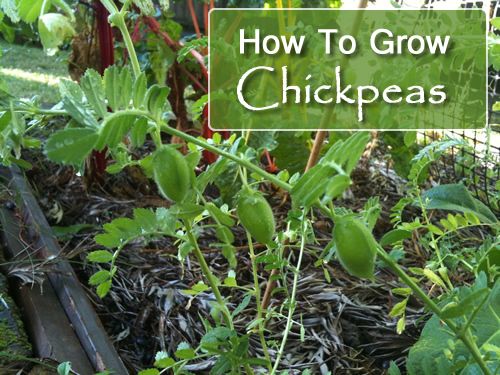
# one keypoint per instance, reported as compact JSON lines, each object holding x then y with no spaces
{"x":345,"y":320}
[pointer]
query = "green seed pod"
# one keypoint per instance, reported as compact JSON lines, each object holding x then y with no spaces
{"x":356,"y":247}
{"x":256,"y":215}
{"x":171,"y":173}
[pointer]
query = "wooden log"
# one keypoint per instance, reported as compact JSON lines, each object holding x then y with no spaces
{"x":46,"y":322}
{"x":63,"y":279}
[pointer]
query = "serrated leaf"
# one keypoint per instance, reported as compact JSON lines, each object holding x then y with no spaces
{"x":400,"y":326}
{"x":71,"y":146}
{"x":139,"y":131}
{"x":242,"y":306}
{"x":64,"y":368}
{"x":434,"y":278}
{"x":74,"y":100}
{"x":114,"y":129}
{"x":336,"y":187}
{"x":103,"y":289}
{"x":434,"y":229}
{"x":139,"y":90}
{"x":184,"y":351}
{"x":198,"y":288}
{"x":146,"y":218}
{"x":399,"y":308}
{"x":108,"y":240}
{"x":112,"y":87}
{"x":99,"y":277}
{"x":311,"y":185}
{"x":162,"y":360}
{"x":395,"y":235}
{"x":92,"y":86}
{"x":220,"y":216}
{"x":224,"y":234}
{"x":100,"y":256}
{"x":404,"y":292}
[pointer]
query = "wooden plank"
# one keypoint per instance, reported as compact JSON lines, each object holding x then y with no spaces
{"x":68,"y":289}
{"x":46,"y":322}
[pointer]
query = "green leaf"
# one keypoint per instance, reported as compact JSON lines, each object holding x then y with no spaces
{"x":9,"y":7}
{"x":139,"y":90}
{"x":456,"y":197}
{"x":99,"y":277}
{"x":336,"y":187}
{"x":100,"y":256}
{"x":74,"y":100}
{"x":242,"y":306}
{"x":71,"y":146}
{"x":112,"y":87}
{"x":156,"y":99}
{"x":434,"y":229}
{"x":198,"y":288}
{"x":495,"y":22}
{"x":393,"y":236}
{"x":401,"y":325}
{"x":222,"y":217}
{"x":405,"y":292}
{"x":346,"y":153}
{"x":187,"y":211}
{"x":312,"y":185}
{"x":149,"y":371}
{"x":466,"y":305}
{"x":393,"y":369}
{"x":29,"y":10}
{"x":92,"y":86}
{"x":399,"y":308}
{"x":54,"y":29}
{"x":162,"y":360}
{"x":139,"y":132}
{"x":184,"y":351}
{"x":114,"y":129}
{"x":291,"y":152}
{"x":433,"y":277}
{"x":103,"y":288}
{"x":224,"y":234}
{"x":64,"y":368}
{"x":427,"y":356}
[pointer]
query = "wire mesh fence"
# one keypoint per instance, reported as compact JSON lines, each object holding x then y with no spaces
{"x":477,"y":166}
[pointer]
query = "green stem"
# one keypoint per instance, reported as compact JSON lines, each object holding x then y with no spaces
{"x":130,"y":47}
{"x":291,"y":309}
{"x":465,"y":338}
{"x":117,"y":18}
{"x":212,"y":280}
{"x":258,"y":301}
{"x":245,"y":163}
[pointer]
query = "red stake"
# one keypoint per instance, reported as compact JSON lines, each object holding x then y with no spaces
{"x":106,"y":49}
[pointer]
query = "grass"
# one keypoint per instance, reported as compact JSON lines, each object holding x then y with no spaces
{"x":27,"y":71}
